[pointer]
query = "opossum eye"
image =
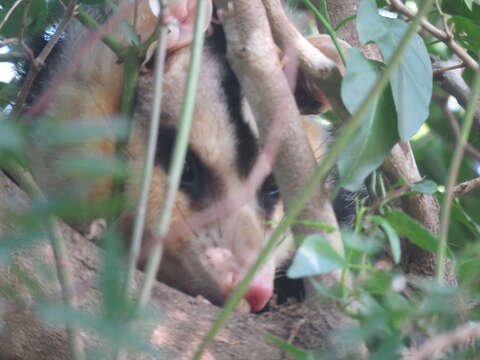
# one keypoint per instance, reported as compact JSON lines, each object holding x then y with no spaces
{"x":268,"y":194}
{"x":190,"y":175}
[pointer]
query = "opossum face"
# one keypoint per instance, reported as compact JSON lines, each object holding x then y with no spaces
{"x":211,"y":260}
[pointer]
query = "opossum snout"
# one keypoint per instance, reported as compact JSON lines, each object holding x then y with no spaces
{"x":228,"y":272}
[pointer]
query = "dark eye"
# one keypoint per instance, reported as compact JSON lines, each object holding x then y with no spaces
{"x":190,"y":175}
{"x":268,"y":194}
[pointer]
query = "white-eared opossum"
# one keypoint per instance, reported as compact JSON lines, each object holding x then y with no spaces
{"x":222,"y":149}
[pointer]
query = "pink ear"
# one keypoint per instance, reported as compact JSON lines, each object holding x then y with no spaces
{"x":310,"y":98}
{"x":182,"y":22}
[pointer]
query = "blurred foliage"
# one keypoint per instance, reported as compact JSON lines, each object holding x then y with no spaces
{"x":389,"y":320}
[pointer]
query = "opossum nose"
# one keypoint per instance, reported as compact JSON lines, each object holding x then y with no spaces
{"x":258,"y":296}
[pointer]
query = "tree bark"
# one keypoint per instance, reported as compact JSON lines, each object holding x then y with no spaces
{"x":177,"y":322}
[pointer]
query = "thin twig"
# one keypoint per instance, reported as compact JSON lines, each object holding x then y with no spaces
{"x":9,"y":13}
{"x":179,"y":152}
{"x":8,"y":41}
{"x":448,"y":68}
{"x":44,"y":99}
{"x":27,"y":183}
{"x":23,"y":23}
{"x":391,"y":195}
{"x":139,"y":223}
{"x":444,"y":20}
{"x":452,"y":179}
{"x":439,"y":34}
{"x":435,"y":348}
{"x":466,"y":186}
{"x":328,"y":27}
{"x":41,"y":58}
{"x":452,"y":121}
{"x":12,"y":56}
{"x":454,"y":84}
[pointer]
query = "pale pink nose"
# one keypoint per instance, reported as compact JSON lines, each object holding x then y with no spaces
{"x":258,"y":296}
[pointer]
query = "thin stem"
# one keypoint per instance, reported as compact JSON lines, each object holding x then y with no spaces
{"x":25,"y":179}
{"x":151,"y":149}
{"x":318,"y":177}
{"x":40,"y":59}
{"x":108,"y":40}
{"x":9,"y":13}
{"x":439,"y":34}
{"x":452,"y":178}
{"x":179,"y":153}
{"x":326,"y":24}
{"x":130,"y":77}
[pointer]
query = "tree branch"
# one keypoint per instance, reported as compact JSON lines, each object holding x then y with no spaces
{"x":466,"y":186}
{"x":439,"y":34}
{"x":454,"y":84}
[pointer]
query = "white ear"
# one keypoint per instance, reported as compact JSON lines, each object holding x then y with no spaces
{"x":181,"y":21}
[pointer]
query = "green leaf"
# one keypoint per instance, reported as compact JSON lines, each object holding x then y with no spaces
{"x":317,"y":225}
{"x":455,"y":7}
{"x":295,"y":352}
{"x":391,"y":236}
{"x":466,"y":32}
{"x":129,"y":32}
{"x":459,"y":214}
{"x":92,"y":2}
{"x":11,"y":138}
{"x":405,"y":226}
{"x":58,"y":132}
{"x":411,"y":81}
{"x":315,"y":256}
{"x":425,"y":187}
{"x":92,"y":166}
{"x":360,"y":243}
{"x":378,"y":132}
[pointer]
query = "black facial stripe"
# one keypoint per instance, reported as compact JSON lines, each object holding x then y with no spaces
{"x":247,"y":145}
{"x":202,"y":185}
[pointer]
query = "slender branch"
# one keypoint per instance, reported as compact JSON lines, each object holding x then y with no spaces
{"x":466,"y":186}
{"x":12,"y":56}
{"x":320,"y":174}
{"x":178,"y":156}
{"x":8,"y":41}
{"x":454,"y":84}
{"x":454,"y":169}
{"x":326,"y":24}
{"x":44,"y":99}
{"x":27,"y":183}
{"x":35,"y":64}
{"x":9,"y":13}
{"x":391,"y":195}
{"x":436,"y":347}
{"x":444,"y":20}
{"x":319,"y":68}
{"x":139,"y":223}
{"x":469,"y":148}
{"x":23,"y":22}
{"x":448,"y":68}
{"x":439,"y":34}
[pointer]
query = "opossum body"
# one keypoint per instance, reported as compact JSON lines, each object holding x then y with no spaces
{"x":221,"y":152}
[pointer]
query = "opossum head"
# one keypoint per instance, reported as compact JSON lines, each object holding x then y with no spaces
{"x":223,"y":146}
